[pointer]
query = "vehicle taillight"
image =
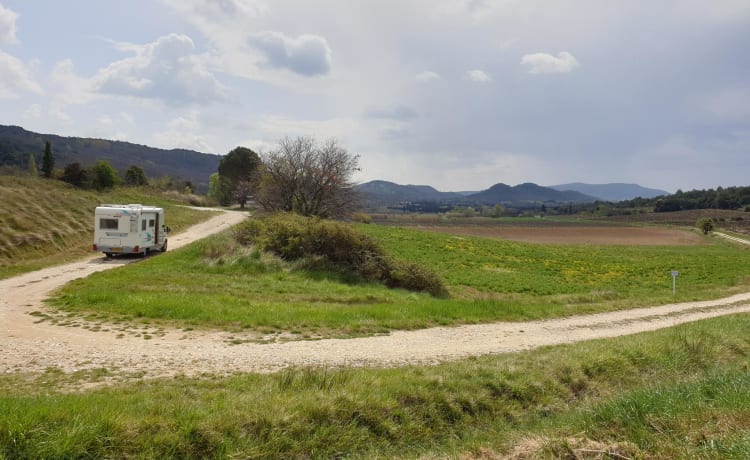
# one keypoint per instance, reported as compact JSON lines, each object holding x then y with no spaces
{"x":94,"y":247}
{"x":137,"y":249}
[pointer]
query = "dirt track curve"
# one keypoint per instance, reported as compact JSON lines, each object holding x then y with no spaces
{"x":30,"y":345}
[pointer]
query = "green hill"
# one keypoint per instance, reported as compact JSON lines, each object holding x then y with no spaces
{"x":17,"y":143}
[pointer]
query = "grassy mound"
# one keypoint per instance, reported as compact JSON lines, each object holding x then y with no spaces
{"x":338,"y":246}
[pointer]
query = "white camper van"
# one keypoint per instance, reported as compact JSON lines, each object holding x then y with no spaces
{"x":129,"y":229}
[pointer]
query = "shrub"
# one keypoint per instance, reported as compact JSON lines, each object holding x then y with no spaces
{"x":341,"y":247}
{"x":706,"y":225}
{"x":413,"y":277}
{"x":362,"y":218}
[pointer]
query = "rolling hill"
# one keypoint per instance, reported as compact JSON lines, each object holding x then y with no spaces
{"x":612,"y":192}
{"x":527,"y":193}
{"x":384,"y":194}
{"x":17,"y":143}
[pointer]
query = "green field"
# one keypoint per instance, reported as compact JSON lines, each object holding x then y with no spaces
{"x":216,"y":283}
{"x":682,"y":392}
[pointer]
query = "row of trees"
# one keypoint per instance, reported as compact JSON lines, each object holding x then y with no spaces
{"x":719,"y":198}
{"x":300,"y":175}
{"x":99,"y":176}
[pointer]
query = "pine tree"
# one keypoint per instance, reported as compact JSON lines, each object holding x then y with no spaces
{"x":48,"y":161}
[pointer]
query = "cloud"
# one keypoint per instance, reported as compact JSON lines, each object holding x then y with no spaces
{"x":182,"y":132}
{"x":391,"y":113}
{"x":478,"y":76}
{"x":546,"y":63}
{"x":307,"y":55}
{"x":7,"y":26}
{"x":730,"y":103}
{"x":206,"y":14}
{"x":427,"y":76}
{"x":167,"y":69}
{"x":34,"y":112}
{"x":14,"y":78}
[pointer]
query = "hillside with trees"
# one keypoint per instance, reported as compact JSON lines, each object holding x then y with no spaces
{"x":18,"y":147}
{"x":732,"y":198}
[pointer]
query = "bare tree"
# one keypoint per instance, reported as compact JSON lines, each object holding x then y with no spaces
{"x":309,"y":178}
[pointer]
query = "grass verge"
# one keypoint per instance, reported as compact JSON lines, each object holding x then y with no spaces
{"x":682,"y":392}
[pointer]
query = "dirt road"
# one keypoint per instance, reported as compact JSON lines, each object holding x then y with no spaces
{"x":29,"y":344}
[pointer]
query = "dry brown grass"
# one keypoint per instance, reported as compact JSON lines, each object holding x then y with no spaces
{"x":46,"y":222}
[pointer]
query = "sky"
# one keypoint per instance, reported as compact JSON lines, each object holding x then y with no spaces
{"x":457,"y":94}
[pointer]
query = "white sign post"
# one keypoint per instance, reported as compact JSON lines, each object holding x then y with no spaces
{"x":674,"y":281}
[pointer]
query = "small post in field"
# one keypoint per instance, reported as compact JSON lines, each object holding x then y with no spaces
{"x":674,"y":281}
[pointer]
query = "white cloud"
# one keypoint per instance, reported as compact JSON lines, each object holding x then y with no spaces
{"x":57,"y":113}
{"x":206,"y":14}
{"x":167,"y":69}
{"x":14,"y":78}
{"x":7,"y":26}
{"x":34,"y":112}
{"x":183,"y":132}
{"x":307,"y":55}
{"x":67,"y":87}
{"x":479,"y":76}
{"x":564,"y":62}
{"x":427,"y":76}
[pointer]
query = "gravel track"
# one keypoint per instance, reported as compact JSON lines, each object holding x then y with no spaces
{"x":31,"y":345}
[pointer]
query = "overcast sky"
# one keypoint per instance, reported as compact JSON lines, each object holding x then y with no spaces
{"x":458,"y":94}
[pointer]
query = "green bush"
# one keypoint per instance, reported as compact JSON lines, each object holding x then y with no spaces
{"x":362,"y":218}
{"x":293,"y":237}
{"x":413,"y":277}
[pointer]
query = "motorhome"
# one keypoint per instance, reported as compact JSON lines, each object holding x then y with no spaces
{"x":129,"y":229}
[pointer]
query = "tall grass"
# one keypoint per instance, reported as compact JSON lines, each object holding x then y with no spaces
{"x":46,"y":222}
{"x":654,"y":395}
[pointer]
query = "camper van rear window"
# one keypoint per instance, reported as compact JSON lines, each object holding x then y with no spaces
{"x":108,"y":224}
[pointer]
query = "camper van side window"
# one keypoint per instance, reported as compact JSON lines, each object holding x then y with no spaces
{"x":151,"y":223}
{"x":108,"y":224}
{"x":143,"y":224}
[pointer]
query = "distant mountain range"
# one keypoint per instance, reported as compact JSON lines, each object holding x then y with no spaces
{"x":17,"y":143}
{"x":379,"y":193}
{"x":612,"y":192}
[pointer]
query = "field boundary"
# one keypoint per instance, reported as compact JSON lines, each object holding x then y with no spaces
{"x":732,"y":238}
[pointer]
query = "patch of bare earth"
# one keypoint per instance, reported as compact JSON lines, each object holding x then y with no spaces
{"x":630,"y":236}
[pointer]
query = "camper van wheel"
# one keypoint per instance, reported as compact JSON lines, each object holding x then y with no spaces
{"x":108,"y":254}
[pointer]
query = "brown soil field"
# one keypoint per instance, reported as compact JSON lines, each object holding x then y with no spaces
{"x":629,"y":236}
